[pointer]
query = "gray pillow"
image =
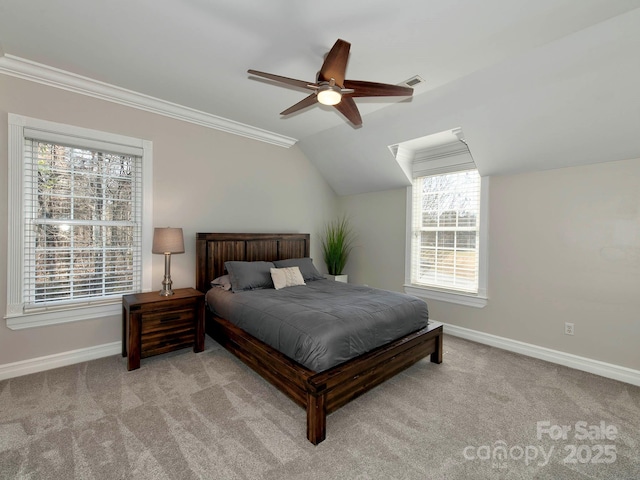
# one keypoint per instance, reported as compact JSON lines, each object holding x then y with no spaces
{"x":306,"y":266}
{"x":249,"y":275}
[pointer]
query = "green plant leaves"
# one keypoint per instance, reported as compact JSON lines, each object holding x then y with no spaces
{"x":337,"y":242}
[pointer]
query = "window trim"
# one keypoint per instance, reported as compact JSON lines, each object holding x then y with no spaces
{"x":478,"y":300}
{"x":15,"y":316}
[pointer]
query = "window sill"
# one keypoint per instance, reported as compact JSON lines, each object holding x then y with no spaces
{"x":469,"y":300}
{"x":20,"y":321}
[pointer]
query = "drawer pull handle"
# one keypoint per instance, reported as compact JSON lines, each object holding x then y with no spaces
{"x":171,"y":318}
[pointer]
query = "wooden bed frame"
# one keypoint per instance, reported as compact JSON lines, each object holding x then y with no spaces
{"x":319,"y":393}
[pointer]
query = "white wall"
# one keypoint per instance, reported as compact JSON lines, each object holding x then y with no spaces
{"x":564,"y":246}
{"x":204,"y":181}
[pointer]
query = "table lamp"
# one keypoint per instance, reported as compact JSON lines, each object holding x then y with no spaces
{"x":167,"y":240}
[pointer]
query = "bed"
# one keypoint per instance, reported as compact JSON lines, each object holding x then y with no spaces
{"x":319,"y":392}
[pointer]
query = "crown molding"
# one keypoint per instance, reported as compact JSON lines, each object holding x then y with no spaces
{"x":53,"y":77}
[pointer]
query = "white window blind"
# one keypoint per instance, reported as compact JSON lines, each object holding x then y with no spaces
{"x":445,"y":231}
{"x":83,"y":221}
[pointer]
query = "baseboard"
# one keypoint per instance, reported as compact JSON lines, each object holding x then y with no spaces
{"x":615,"y":372}
{"x":40,"y":364}
{"x":608,"y":370}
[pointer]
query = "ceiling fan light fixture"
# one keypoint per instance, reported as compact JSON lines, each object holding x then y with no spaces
{"x":330,"y":86}
{"x":329,"y":95}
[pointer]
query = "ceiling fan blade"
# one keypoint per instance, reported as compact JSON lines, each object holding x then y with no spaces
{"x":373,"y":89}
{"x":335,"y":64}
{"x":304,"y":103}
{"x":286,"y":80}
{"x":348,"y":108}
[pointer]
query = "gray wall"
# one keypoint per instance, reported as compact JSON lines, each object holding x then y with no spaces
{"x":378,"y":219}
{"x":204,"y":181}
{"x":564,"y":245}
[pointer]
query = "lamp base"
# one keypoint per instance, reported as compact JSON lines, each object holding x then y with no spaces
{"x":166,"y":282}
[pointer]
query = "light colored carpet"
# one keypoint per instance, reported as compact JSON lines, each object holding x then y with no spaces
{"x":189,"y":416}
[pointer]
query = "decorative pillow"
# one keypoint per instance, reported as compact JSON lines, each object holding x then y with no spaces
{"x":223,"y":282}
{"x":286,"y":277}
{"x":249,"y":275}
{"x":306,"y":266}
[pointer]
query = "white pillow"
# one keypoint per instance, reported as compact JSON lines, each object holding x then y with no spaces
{"x":222,"y":282}
{"x":286,"y":277}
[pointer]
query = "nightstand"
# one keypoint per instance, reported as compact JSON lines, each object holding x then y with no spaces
{"x":153,"y":324}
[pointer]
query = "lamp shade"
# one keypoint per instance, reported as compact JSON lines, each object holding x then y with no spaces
{"x":168,"y":240}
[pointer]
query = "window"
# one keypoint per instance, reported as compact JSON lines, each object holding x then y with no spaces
{"x":446,"y":223}
{"x":444,"y":247}
{"x":78,"y":241}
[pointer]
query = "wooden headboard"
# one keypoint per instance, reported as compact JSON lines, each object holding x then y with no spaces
{"x":213,"y":249}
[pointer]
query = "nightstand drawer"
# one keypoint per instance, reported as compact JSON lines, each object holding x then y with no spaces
{"x":157,"y":344}
{"x":166,"y":331}
{"x":168,"y":320}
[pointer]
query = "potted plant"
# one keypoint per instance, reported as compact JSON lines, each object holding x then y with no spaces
{"x":337,"y":242}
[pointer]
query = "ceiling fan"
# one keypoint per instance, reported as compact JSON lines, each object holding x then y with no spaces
{"x":331,"y":88}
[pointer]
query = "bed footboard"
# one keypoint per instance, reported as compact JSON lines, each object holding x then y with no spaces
{"x":323,"y":393}
{"x":331,"y":389}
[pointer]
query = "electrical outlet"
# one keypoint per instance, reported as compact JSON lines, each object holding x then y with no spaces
{"x":568,"y":328}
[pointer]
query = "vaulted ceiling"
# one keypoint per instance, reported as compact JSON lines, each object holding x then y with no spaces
{"x":532,"y":84}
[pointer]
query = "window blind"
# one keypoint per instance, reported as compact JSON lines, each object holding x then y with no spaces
{"x":445,"y":231}
{"x":82,"y":233}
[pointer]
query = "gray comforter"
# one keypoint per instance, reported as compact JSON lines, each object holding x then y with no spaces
{"x":323,"y":323}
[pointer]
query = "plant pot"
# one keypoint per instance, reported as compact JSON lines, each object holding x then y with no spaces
{"x":337,"y":278}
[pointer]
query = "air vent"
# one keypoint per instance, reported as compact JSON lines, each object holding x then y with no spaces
{"x":413,"y":81}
